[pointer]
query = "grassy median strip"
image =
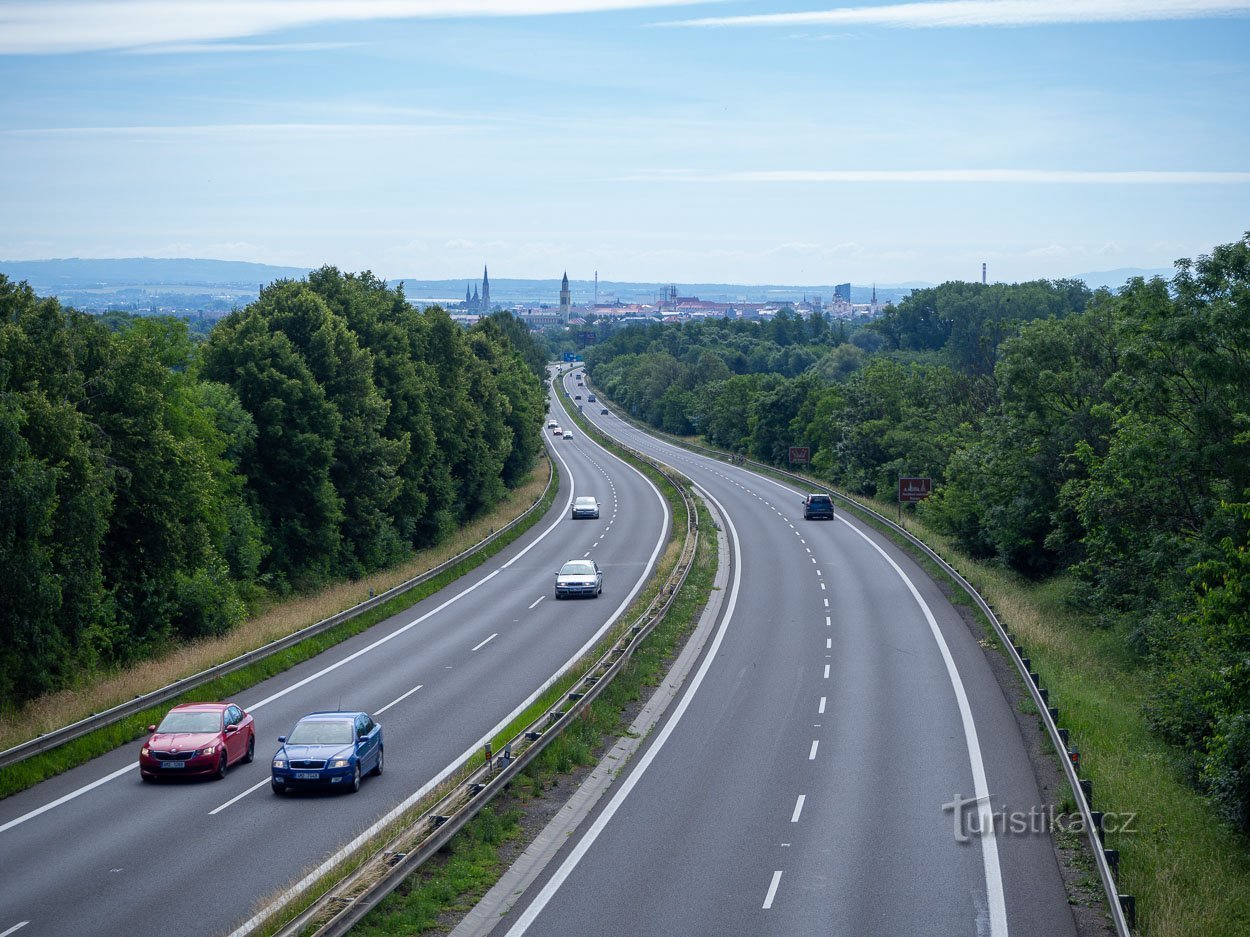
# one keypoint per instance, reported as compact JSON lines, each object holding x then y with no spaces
{"x":474,"y":860}
{"x":40,"y":767}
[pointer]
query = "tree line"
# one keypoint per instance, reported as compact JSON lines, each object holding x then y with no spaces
{"x":154,"y":488}
{"x":1102,"y":437}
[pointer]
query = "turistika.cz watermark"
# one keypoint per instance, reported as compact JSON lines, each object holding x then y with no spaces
{"x":973,"y":817}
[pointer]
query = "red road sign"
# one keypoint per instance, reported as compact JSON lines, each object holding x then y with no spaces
{"x":911,"y":490}
{"x":800,"y":455}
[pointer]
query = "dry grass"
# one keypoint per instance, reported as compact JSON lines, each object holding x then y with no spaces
{"x":68,"y":706}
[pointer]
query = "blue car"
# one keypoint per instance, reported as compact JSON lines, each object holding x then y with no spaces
{"x":328,"y":749}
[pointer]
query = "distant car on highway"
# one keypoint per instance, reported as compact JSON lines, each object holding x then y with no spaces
{"x":590,"y":398}
{"x":568,"y":434}
{"x":328,"y":749}
{"x":556,"y":431}
{"x":579,"y":578}
{"x":585,"y":507}
{"x":817,"y":507}
{"x":198,"y":739}
{"x":604,"y":411}
{"x":552,"y":424}
{"x":577,"y":396}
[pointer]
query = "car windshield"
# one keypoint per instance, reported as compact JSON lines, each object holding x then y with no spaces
{"x":577,"y":569}
{"x":820,"y":500}
{"x":321,"y":732}
{"x":586,"y":502}
{"x":183,"y":721}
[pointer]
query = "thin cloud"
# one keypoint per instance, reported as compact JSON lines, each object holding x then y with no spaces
{"x":57,"y":26}
{"x":955,"y":13}
{"x":195,"y":48}
{"x":947,"y":176}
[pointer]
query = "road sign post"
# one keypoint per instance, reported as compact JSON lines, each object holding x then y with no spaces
{"x":911,"y":490}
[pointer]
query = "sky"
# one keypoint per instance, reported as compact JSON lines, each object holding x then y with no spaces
{"x":735,"y":141}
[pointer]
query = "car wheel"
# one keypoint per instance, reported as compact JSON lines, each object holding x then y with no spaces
{"x":377,"y":769}
{"x":355,"y":779}
{"x":221,"y":766}
{"x":277,"y":788}
{"x":250,"y":755}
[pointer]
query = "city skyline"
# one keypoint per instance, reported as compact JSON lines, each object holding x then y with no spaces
{"x":712,"y":141}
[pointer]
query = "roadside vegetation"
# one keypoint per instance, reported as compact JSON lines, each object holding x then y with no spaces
{"x":1091,"y":450}
{"x":159,"y":490}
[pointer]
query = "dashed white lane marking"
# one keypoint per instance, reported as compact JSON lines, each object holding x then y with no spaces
{"x":819,"y":573}
{"x":16,"y":927}
{"x":234,"y":800}
{"x":537,"y":600}
{"x":772,"y":890}
{"x":826,"y":603}
{"x":400,"y":699}
{"x":586,"y":554}
{"x":826,"y":671}
{"x":828,"y":622}
{"x":486,"y":642}
{"x":822,"y":587}
{"x":798,"y":808}
{"x":821,"y":710}
{"x":828,"y":642}
{"x":811,"y":756}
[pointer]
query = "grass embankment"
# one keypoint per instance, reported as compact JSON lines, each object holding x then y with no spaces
{"x":279,"y":620}
{"x":478,"y":855}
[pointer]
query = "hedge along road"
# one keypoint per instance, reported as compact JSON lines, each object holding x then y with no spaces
{"x":97,"y":851}
{"x":821,"y":775}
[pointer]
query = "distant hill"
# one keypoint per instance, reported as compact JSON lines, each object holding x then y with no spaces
{"x":51,"y":276}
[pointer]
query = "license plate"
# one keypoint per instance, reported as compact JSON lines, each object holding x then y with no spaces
{"x":307,"y":776}
{"x":173,"y":764}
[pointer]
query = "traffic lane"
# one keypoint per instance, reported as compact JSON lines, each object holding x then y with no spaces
{"x":1031,"y":881}
{"x":672,"y":835}
{"x":98,"y":814}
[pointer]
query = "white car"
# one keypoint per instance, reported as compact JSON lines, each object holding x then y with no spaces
{"x":568,"y":434}
{"x":585,"y":507}
{"x":552,"y":424}
{"x":579,"y":577}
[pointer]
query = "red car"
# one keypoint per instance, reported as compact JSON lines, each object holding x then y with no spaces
{"x":198,"y":739}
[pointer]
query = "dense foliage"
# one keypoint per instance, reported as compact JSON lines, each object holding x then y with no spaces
{"x":152,"y":487}
{"x":1103,"y":437}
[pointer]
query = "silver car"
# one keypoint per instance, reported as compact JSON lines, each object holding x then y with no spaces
{"x":585,"y":507}
{"x":579,"y":577}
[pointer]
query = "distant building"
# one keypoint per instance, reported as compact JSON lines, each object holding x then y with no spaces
{"x":478,"y":303}
{"x":566,"y":301}
{"x":843,"y":292}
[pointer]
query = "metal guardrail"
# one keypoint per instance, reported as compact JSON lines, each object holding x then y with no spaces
{"x":347,"y":903}
{"x":1090,"y":820}
{"x":50,"y":740}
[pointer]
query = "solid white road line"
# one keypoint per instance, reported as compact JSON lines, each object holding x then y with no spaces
{"x":486,"y":642}
{"x":798,"y":808}
{"x":772,"y":890}
{"x":68,"y":797}
{"x":399,"y":699}
{"x":15,"y":927}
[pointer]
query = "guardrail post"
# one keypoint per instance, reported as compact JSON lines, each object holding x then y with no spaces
{"x":1098,"y":825}
{"x":1128,"y":904}
{"x":1054,"y":713}
{"x":1113,"y":860}
{"x":1087,"y":790}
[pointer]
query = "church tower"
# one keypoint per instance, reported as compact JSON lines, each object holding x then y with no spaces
{"x":566,"y":304}
{"x":485,"y":292}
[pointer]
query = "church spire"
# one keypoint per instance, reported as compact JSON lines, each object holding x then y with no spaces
{"x":485,"y":291}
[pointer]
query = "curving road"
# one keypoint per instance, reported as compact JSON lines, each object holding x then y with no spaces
{"x":805,"y":781}
{"x":96,"y":851}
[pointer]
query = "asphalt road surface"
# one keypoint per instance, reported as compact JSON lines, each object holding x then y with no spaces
{"x":820,"y":773}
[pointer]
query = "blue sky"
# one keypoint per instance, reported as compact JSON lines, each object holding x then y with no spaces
{"x":712,"y":141}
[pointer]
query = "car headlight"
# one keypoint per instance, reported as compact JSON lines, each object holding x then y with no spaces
{"x":279,"y":762}
{"x":144,"y":751}
{"x":209,"y":751}
{"x":340,"y":763}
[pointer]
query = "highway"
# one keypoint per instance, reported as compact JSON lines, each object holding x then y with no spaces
{"x":95,"y":851}
{"x":818,"y":774}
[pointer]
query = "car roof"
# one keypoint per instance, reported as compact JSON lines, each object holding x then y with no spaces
{"x":201,"y":707}
{"x":329,"y":716}
{"x":585,"y":498}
